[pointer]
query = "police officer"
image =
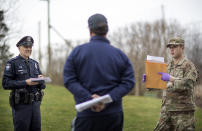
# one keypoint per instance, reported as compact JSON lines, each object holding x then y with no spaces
{"x":177,"y":111}
{"x":94,"y":69}
{"x":25,"y":97}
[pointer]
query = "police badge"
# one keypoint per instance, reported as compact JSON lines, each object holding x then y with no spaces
{"x":29,"y":39}
{"x":35,"y":65}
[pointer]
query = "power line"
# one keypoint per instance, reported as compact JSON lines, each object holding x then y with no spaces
{"x":61,"y":36}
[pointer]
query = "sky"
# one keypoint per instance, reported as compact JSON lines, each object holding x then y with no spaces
{"x":69,"y":17}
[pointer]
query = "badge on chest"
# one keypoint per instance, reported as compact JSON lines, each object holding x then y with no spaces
{"x":21,"y":70}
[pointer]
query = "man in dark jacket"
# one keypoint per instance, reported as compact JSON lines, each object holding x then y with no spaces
{"x":25,"y":97}
{"x":95,"y":69}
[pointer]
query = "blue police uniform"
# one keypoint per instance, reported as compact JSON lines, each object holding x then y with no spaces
{"x":24,"y":99}
{"x":99,"y":68}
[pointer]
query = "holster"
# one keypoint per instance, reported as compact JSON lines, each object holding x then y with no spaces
{"x":16,"y":97}
{"x":42,"y":94}
{"x":39,"y":95}
{"x":11,"y":99}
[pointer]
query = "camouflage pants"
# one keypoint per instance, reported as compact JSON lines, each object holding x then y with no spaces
{"x":176,"y":121}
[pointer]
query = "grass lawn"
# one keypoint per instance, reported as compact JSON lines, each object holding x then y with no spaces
{"x":57,"y":110}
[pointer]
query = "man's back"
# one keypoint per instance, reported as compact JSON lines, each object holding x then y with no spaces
{"x":95,"y":69}
{"x":101,"y":68}
{"x":100,"y":65}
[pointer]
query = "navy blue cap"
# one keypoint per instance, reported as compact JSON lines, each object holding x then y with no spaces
{"x":26,"y":41}
{"x":96,"y":21}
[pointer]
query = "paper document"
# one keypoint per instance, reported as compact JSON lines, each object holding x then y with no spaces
{"x":153,"y":65}
{"x":155,"y":59}
{"x":41,"y":79}
{"x":85,"y":105}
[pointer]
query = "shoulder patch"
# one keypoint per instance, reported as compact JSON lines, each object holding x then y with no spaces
{"x":8,"y":66}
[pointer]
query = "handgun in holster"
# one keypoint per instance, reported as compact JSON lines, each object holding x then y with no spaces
{"x":41,"y":95}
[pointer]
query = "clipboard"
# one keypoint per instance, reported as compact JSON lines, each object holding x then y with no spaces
{"x":153,"y":79}
{"x":41,"y":79}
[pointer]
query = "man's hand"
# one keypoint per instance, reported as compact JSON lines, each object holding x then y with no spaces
{"x":167,"y":77}
{"x":40,"y":76}
{"x":30,"y":83}
{"x":99,"y":107}
{"x":164,"y":76}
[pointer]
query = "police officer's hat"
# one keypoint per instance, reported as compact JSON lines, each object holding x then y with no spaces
{"x":26,"y":41}
{"x":96,"y":21}
{"x":175,"y":41}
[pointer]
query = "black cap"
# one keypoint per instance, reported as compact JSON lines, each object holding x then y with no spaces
{"x":26,"y":41}
{"x":96,"y":21}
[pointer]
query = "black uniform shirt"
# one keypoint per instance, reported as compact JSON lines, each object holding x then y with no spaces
{"x":17,"y":71}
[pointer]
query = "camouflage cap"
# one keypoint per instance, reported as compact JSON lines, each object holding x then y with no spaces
{"x":175,"y":41}
{"x":25,"y":41}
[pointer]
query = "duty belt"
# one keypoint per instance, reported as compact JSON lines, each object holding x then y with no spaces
{"x":24,"y":97}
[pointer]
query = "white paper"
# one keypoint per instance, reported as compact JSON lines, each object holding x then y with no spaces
{"x":45,"y":79}
{"x":155,"y":58}
{"x":85,"y":105}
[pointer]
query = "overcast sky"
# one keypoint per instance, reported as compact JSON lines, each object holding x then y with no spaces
{"x":70,"y":17}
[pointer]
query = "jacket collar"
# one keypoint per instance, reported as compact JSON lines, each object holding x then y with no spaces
{"x":99,"y":38}
{"x":180,"y":62}
{"x":19,"y":56}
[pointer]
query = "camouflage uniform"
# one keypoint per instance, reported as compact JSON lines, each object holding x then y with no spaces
{"x":177,"y":111}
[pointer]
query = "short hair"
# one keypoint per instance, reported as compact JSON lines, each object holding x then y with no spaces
{"x":98,"y":24}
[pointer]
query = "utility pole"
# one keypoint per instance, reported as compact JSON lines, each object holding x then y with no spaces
{"x":49,"y":46}
{"x":163,"y":29}
{"x":39,"y":39}
{"x":163,"y":25}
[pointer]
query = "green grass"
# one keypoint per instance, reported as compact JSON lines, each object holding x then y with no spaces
{"x":57,"y":110}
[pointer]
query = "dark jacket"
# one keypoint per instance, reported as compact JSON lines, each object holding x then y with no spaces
{"x":98,"y":68}
{"x":17,"y":71}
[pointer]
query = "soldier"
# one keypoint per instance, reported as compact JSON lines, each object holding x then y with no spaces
{"x":95,"y":69}
{"x":177,"y":111}
{"x":25,"y":97}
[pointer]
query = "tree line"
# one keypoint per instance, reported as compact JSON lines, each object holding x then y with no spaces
{"x":137,"y":40}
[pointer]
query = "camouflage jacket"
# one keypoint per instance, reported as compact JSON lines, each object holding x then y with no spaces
{"x":179,"y":94}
